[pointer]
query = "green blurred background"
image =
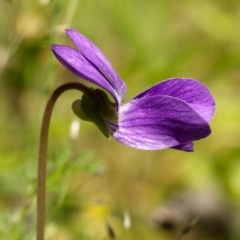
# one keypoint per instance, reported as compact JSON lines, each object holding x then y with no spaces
{"x":93,"y":183}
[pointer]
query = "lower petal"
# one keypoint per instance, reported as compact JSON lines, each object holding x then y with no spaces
{"x":158,"y":122}
{"x":188,"y":147}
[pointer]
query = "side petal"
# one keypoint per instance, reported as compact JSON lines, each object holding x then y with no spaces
{"x":94,"y":55}
{"x":158,"y":122}
{"x":80,"y":66}
{"x":192,"y":91}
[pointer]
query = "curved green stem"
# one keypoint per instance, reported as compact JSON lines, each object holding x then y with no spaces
{"x":42,"y":157}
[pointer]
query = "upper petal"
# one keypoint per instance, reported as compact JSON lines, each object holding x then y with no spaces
{"x":94,"y":55}
{"x":79,"y":65}
{"x":192,"y":91}
{"x":158,"y":122}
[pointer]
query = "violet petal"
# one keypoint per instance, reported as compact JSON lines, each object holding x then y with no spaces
{"x":188,"y":147}
{"x":158,"y":122}
{"x":193,"y":92}
{"x":80,"y":66}
{"x":94,"y":55}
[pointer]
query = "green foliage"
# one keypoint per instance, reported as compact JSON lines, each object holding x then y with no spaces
{"x":146,"y":41}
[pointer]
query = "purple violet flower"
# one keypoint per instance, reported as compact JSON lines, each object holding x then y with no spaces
{"x":170,"y":114}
